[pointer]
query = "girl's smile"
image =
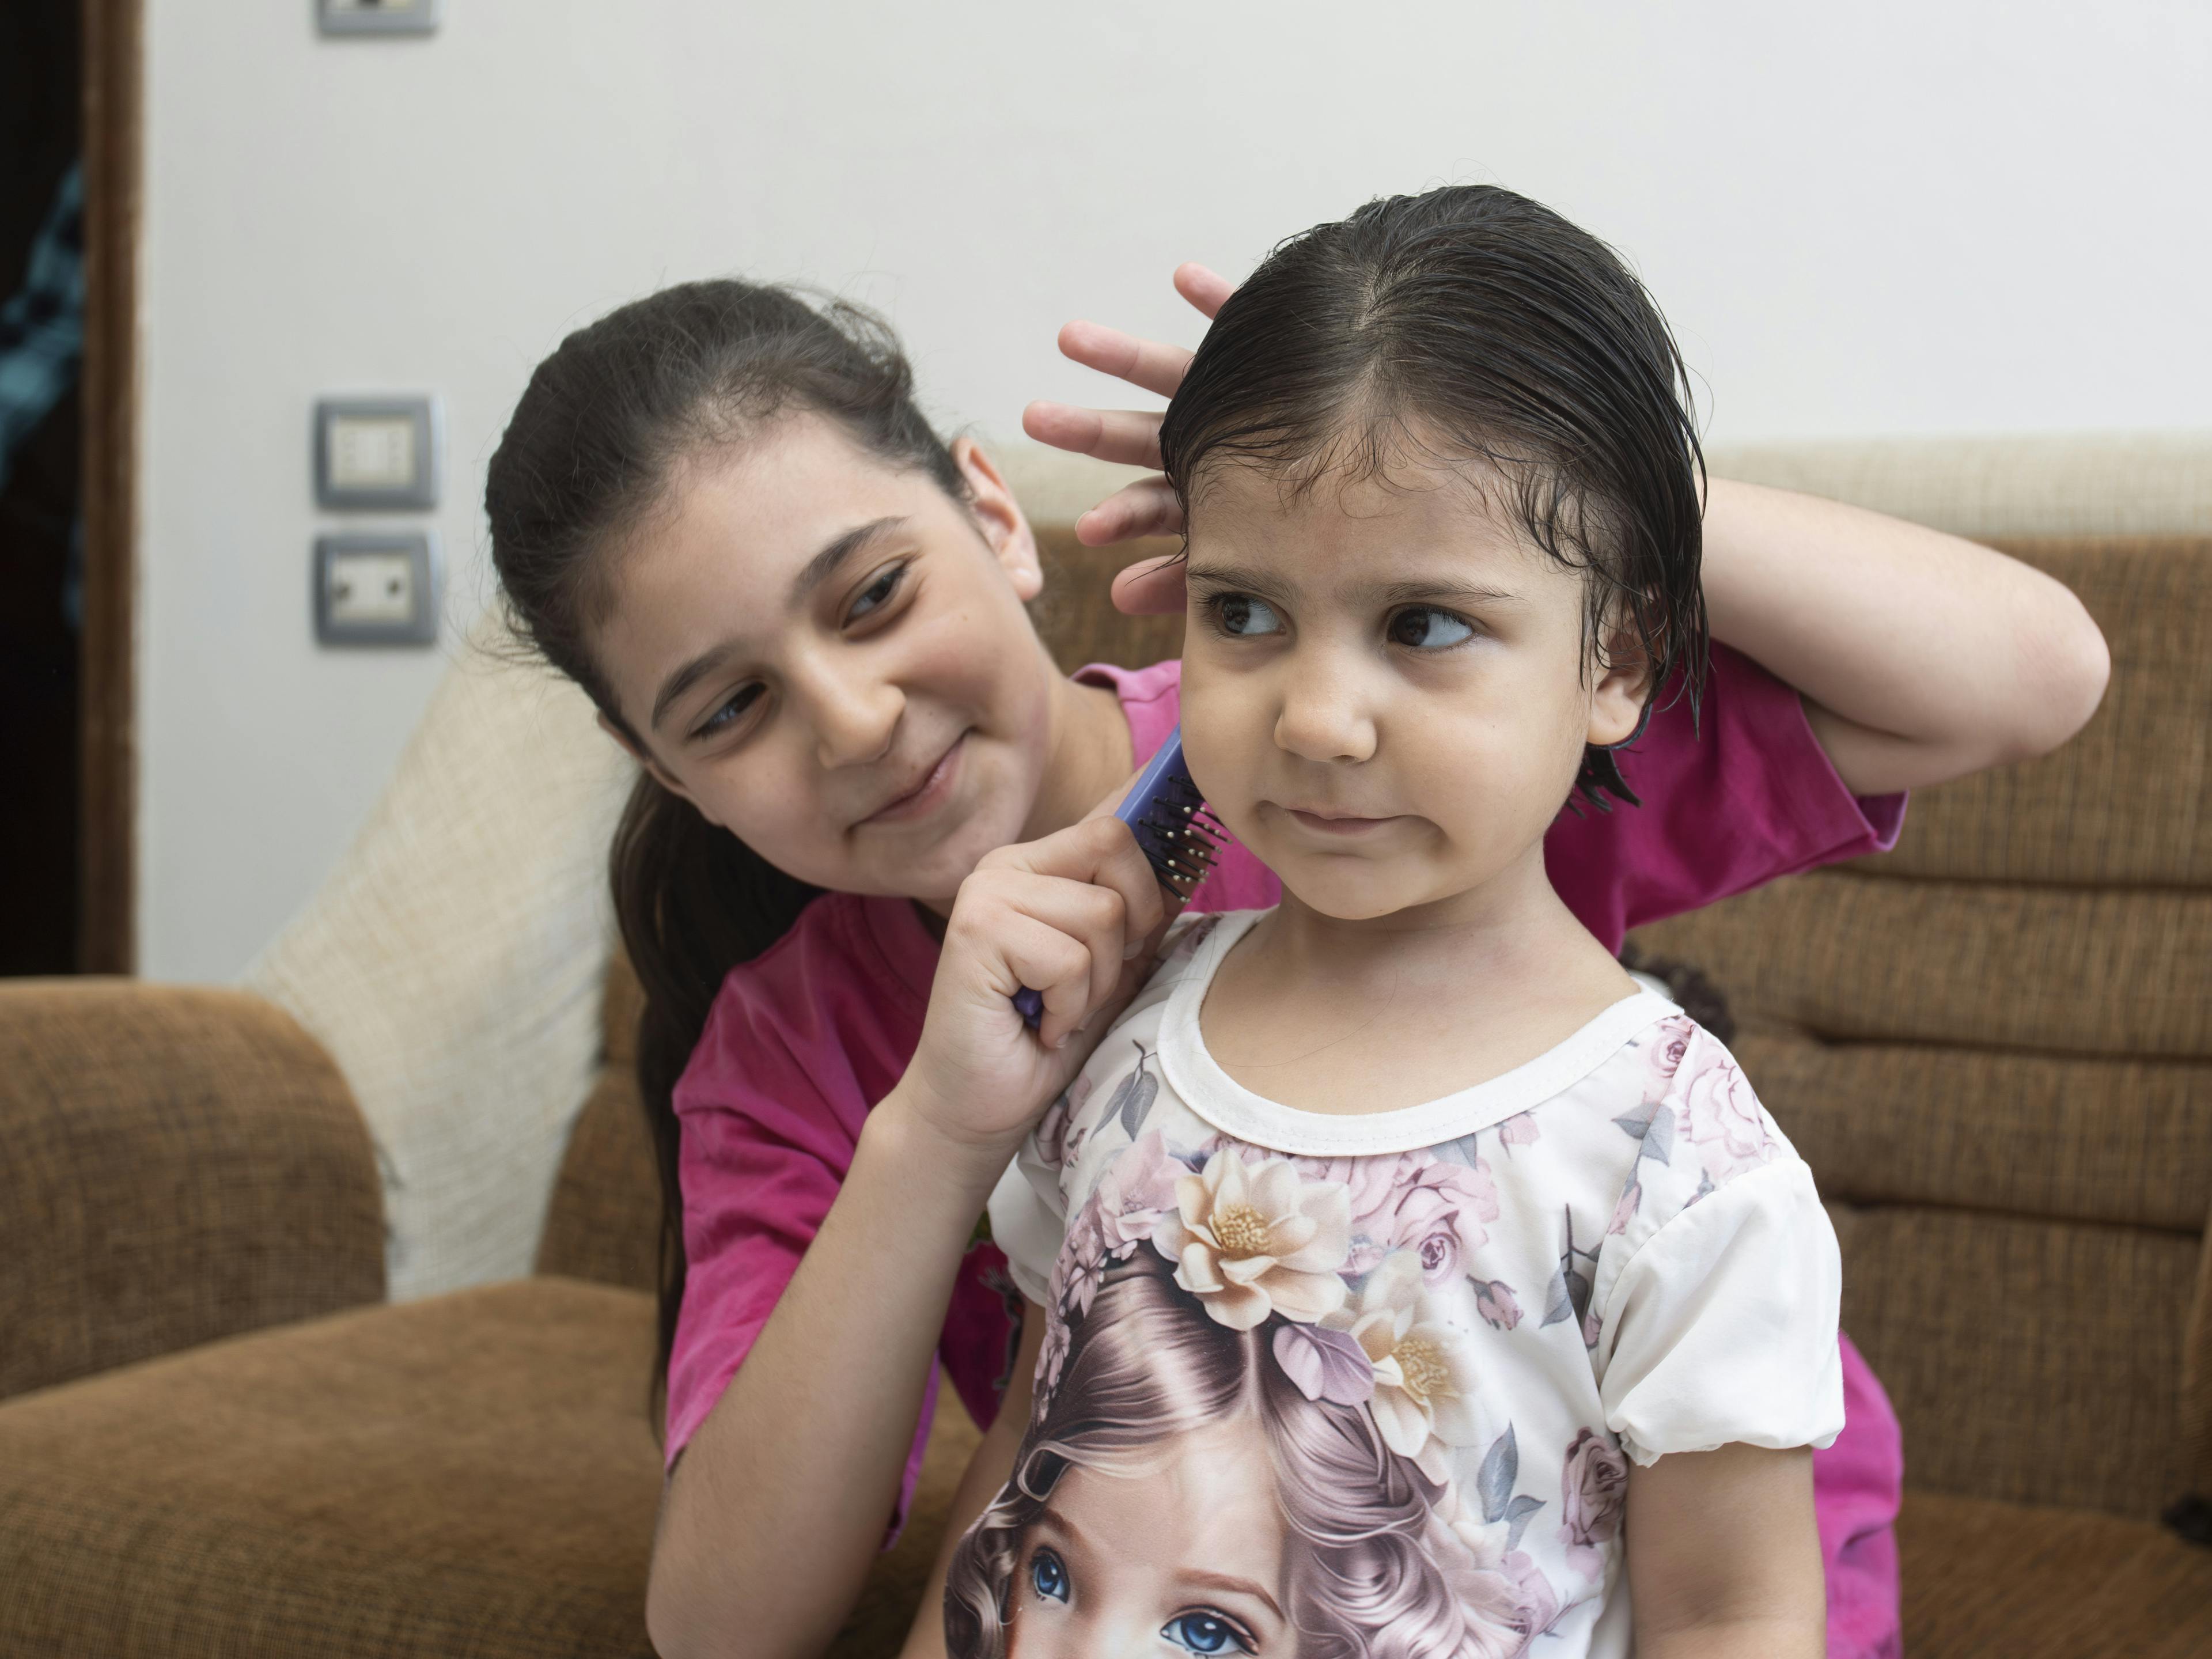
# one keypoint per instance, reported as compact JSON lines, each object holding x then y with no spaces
{"x":936,"y":787}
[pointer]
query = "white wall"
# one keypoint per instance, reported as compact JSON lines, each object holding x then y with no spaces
{"x":1904,"y":216}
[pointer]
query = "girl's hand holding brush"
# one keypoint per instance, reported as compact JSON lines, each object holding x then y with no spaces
{"x":1076,"y":916}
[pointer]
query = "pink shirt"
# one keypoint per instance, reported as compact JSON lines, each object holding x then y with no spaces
{"x":804,"y":1039}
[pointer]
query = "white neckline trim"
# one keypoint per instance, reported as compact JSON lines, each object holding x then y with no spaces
{"x":1235,"y":1110}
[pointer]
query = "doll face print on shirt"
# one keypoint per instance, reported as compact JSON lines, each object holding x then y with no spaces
{"x":1366,"y":1385}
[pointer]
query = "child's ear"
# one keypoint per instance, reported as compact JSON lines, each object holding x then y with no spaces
{"x":1624,"y":686}
{"x":660,"y":774}
{"x":999,"y":517}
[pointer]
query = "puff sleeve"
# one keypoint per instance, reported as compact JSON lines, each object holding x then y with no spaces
{"x":1029,"y":1218}
{"x":1722,"y":1327}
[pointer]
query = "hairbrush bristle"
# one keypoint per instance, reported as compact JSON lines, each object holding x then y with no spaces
{"x":1179,"y":839}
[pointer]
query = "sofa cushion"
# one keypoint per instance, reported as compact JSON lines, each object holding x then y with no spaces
{"x":604,"y":1222}
{"x":452,"y":963}
{"x":471,"y":1474}
{"x":177,"y":1165}
{"x":1983,"y":1578}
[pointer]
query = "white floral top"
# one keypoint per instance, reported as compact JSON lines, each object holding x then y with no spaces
{"x":1427,"y":1339}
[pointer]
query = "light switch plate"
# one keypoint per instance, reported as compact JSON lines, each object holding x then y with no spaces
{"x":377,"y":17}
{"x":377,"y":588}
{"x":378,"y":453}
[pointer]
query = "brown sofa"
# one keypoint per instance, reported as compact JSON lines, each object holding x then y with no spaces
{"x":1994,"y":1046}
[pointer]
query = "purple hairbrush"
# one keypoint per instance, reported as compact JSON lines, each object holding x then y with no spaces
{"x":1175,"y":833}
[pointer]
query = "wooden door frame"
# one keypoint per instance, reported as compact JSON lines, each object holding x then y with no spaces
{"x":107,"y":671}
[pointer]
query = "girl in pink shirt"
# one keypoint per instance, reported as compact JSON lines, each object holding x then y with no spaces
{"x":719,"y":511}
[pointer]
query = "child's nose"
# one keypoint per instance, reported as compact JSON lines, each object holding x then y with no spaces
{"x":1322,"y":717}
{"x":853,"y":723}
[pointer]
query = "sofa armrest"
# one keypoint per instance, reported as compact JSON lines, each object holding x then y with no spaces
{"x":176,"y":1164}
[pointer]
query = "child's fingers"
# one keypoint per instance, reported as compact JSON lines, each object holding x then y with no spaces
{"x":1152,"y":587}
{"x":1127,"y":437}
{"x":1207,"y":290}
{"x":1100,"y":849}
{"x":1146,"y":364}
{"x":1053,"y":964}
{"x":1146,"y":508}
{"x":1094,"y":917}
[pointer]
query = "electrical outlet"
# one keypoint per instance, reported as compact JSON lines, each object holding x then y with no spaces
{"x":373,"y":589}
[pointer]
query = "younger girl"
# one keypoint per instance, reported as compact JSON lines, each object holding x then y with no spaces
{"x":1557,"y":1295}
{"x":720,"y":511}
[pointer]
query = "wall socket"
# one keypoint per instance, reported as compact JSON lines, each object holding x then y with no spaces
{"x":376,"y":588}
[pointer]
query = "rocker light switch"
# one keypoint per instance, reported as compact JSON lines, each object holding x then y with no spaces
{"x":377,"y":452}
{"x":377,"y":17}
{"x":377,"y":589}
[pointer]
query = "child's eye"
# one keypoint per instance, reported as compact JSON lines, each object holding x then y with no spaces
{"x":1206,"y":1632}
{"x":1243,"y":616}
{"x":877,"y":594}
{"x":740,"y":700}
{"x":1048,"y":1575}
{"x":1424,"y":628}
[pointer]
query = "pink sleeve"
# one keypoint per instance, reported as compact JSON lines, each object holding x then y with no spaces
{"x":1748,"y":796}
{"x":768,"y":1135}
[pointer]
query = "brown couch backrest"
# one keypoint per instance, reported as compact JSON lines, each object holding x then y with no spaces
{"x":1995,"y":1048}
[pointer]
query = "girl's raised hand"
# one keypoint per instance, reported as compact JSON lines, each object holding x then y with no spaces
{"x":1131,"y":437}
{"x":1075,"y":917}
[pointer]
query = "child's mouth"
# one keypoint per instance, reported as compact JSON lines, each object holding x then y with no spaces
{"x":926,"y":795}
{"x":1338,"y":824}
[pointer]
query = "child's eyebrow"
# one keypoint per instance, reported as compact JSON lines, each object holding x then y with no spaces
{"x":824,"y":565}
{"x":1241,"y":577}
{"x":816,"y":571}
{"x":1429,"y":593}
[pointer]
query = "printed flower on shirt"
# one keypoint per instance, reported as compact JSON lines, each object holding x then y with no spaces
{"x":1424,"y":1369}
{"x":1519,"y":1130}
{"x":1415,"y":1201}
{"x":1253,"y":1239}
{"x":1593,"y":1494}
{"x":1725,"y":1121}
{"x":1664,"y":1046}
{"x":1137,"y":1192}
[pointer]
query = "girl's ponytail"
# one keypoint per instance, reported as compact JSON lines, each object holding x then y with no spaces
{"x":693,"y":902}
{"x":602,"y":425}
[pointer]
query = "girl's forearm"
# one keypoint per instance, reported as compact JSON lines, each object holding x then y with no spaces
{"x":1921,"y":657}
{"x":1749,"y":1638}
{"x":779,"y":1502}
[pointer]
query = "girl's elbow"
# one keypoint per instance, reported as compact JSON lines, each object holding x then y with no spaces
{"x":2074,"y":666}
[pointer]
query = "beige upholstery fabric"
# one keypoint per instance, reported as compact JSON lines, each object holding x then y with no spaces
{"x":2106,"y":483}
{"x":452,"y":963}
{"x":2043,"y":484}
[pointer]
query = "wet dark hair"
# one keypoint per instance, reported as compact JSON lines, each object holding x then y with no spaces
{"x":1471,"y":324}
{"x":604,"y":427}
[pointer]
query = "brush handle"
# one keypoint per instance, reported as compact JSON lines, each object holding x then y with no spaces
{"x":1164,"y":765}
